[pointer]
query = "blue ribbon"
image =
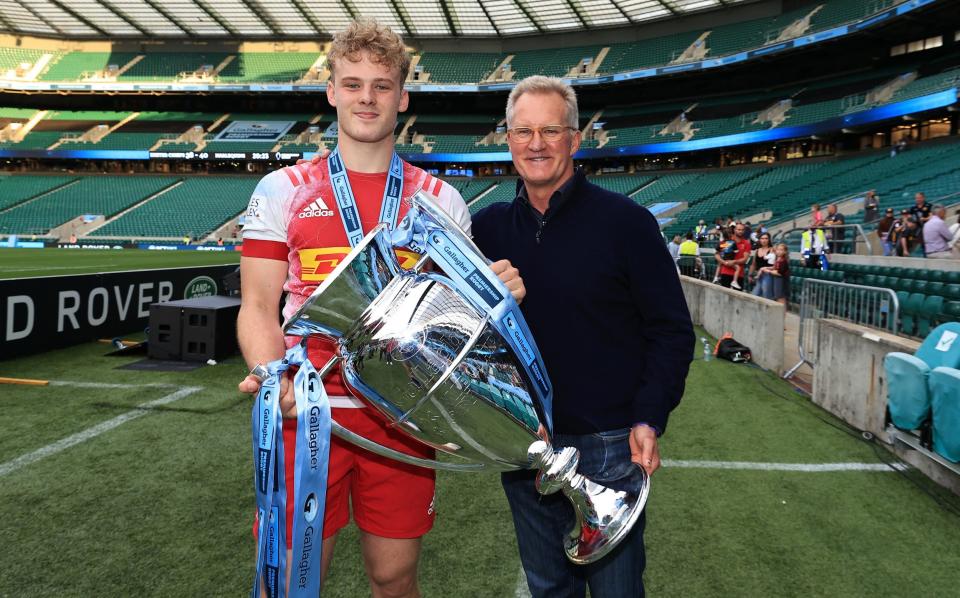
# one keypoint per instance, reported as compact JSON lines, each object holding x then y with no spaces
{"x":347,"y":203}
{"x":309,"y":482}
{"x":463,"y":263}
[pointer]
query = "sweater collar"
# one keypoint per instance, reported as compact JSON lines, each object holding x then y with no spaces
{"x":560,"y":197}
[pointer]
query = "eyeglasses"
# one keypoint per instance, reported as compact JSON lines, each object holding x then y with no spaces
{"x":548,"y":133}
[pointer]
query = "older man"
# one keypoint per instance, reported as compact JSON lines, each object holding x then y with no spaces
{"x":937,"y":238}
{"x":605,"y":305}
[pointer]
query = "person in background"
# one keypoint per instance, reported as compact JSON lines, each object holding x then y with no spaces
{"x":813,"y":244}
{"x":732,"y":256}
{"x":936,"y":235}
{"x":700,"y":232}
{"x":764,"y":256}
{"x":871,"y":206}
{"x":884,"y":228}
{"x":908,"y":238}
{"x":780,"y":273}
{"x":690,"y":263}
{"x":674,"y":247}
{"x":836,"y":221}
{"x":955,"y":231}
{"x":920,"y":211}
{"x":816,"y":215}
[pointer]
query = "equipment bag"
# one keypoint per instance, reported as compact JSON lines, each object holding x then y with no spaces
{"x":730,"y":349}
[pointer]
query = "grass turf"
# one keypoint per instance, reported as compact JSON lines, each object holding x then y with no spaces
{"x":162,"y":505}
{"x":23,"y":263}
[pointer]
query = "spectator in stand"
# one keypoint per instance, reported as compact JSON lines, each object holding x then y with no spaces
{"x":908,"y":238}
{"x":780,"y":271}
{"x":762,"y":257}
{"x":813,"y":244}
{"x":731,"y":269}
{"x":700,"y":232}
{"x":871,"y":207}
{"x":836,"y":221}
{"x":884,"y":228}
{"x":674,"y":247}
{"x":816,"y":215}
{"x":936,"y":235}
{"x":690,"y":263}
{"x":921,"y":210}
{"x":955,"y":231}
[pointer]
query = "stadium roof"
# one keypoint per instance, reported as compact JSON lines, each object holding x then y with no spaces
{"x":283,"y":19}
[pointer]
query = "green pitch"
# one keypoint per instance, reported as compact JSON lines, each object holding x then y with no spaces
{"x":161,"y":503}
{"x":23,"y":263}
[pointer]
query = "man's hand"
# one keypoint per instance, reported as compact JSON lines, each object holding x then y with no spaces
{"x":288,"y":403}
{"x":510,"y":276}
{"x":643,"y":448}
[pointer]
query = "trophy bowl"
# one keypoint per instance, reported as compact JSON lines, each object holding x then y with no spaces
{"x":413,"y":348}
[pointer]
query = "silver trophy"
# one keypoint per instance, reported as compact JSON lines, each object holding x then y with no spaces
{"x":411,"y":346}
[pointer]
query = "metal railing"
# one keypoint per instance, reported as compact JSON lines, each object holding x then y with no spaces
{"x":867,"y":306}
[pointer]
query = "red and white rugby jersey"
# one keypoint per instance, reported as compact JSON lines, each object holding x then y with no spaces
{"x":293,"y":217}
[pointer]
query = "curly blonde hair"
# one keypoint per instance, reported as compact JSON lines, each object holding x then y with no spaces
{"x":384,"y":46}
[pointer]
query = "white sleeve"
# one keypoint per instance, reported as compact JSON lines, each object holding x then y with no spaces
{"x":452,"y":203}
{"x":264,"y":218}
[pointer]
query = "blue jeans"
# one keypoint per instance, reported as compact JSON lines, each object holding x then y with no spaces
{"x":764,"y":286}
{"x":541,"y":523}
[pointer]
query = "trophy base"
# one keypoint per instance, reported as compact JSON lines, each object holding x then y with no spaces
{"x":605,"y":514}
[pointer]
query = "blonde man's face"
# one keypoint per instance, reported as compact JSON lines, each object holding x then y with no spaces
{"x":367,"y":96}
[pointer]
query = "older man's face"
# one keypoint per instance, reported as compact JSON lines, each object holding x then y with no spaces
{"x":542,"y":163}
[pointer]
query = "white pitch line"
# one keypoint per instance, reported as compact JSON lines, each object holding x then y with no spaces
{"x":108,"y":385}
{"x":805,"y":467}
{"x":522,"y":590}
{"x":74,"y":439}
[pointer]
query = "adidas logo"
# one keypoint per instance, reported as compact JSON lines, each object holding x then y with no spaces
{"x":315,"y":208}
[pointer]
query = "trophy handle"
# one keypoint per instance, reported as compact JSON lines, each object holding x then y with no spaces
{"x":365,"y":443}
{"x":378,"y":449}
{"x":604,"y":516}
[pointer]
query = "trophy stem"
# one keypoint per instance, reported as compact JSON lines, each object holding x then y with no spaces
{"x":603,"y":516}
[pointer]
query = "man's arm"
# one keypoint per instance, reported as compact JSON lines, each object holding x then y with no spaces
{"x":666,"y":335}
{"x":258,"y":324}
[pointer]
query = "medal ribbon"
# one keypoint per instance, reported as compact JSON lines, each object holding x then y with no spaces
{"x":309,"y":481}
{"x":347,"y":203}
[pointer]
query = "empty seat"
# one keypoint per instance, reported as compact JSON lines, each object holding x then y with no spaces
{"x":909,"y":311}
{"x":929,"y":312}
{"x":945,"y":404}
{"x":908,"y":396}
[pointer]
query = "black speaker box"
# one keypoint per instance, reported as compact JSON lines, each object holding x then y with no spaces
{"x":194,"y":329}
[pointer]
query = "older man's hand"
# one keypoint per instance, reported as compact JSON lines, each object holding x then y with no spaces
{"x":510,"y":276}
{"x":644,"y":450}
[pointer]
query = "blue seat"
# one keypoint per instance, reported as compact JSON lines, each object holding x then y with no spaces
{"x":945,"y":404}
{"x":908,"y":395}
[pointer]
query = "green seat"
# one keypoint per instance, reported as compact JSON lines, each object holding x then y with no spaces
{"x":936,"y":276}
{"x":835,"y":276}
{"x":929,"y":312}
{"x":952,"y":310}
{"x":874,"y":270}
{"x":909,"y":285}
{"x":909,"y":313}
{"x":902,"y":297}
{"x":870,"y":280}
{"x":911,"y":273}
{"x":936,"y":288}
{"x":952,"y":292}
{"x":920,"y":286}
{"x":895,"y":283}
{"x":951,"y":277}
{"x":883,"y":282}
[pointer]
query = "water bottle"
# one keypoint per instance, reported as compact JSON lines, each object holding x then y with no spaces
{"x":706,"y":348}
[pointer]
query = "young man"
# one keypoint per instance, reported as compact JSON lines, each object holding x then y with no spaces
{"x":731,"y":270}
{"x":601,"y":284}
{"x":293,"y":239}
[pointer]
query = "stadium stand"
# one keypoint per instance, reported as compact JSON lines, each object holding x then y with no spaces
{"x":267,"y":67}
{"x":97,"y":195}
{"x":18,"y":188}
{"x":196,"y":207}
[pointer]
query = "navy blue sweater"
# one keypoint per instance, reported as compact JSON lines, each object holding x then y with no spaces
{"x":603,"y":302}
